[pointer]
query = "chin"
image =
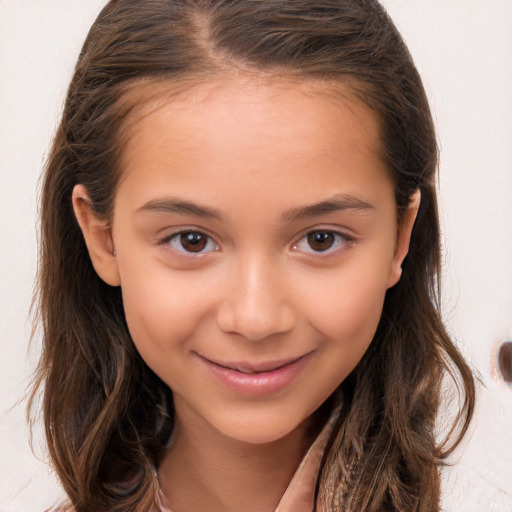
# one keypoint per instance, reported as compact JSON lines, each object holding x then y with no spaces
{"x":258,"y":431}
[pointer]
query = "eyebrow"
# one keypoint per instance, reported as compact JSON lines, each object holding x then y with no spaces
{"x":181,"y":207}
{"x":333,"y":204}
{"x":184,"y":207}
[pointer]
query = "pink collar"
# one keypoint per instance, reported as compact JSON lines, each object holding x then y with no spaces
{"x":300,"y":493}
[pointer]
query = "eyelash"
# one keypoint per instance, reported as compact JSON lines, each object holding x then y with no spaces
{"x":339,"y":241}
{"x":175,"y":241}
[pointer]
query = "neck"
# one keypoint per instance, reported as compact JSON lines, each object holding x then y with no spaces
{"x":205,"y":470}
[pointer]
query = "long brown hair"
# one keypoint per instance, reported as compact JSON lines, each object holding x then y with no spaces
{"x":107,"y":416}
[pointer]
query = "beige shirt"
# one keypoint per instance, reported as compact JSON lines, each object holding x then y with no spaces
{"x":300,"y":493}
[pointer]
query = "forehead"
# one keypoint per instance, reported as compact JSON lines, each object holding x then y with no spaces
{"x":244,"y":97}
{"x":288,"y":132}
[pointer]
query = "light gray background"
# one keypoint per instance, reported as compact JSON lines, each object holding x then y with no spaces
{"x":463,"y":49}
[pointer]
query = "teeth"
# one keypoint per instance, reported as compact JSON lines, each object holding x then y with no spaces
{"x":248,"y":371}
{"x":245,"y":371}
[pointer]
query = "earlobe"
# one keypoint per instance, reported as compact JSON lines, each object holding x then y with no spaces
{"x":404,"y":238}
{"x":98,"y":237}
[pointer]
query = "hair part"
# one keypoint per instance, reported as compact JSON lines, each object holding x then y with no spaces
{"x":107,"y":416}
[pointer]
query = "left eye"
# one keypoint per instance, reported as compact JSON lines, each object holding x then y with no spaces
{"x":193,"y":242}
{"x":321,"y":241}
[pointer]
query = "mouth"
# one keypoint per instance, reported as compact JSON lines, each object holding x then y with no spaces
{"x":256,"y":379}
{"x":257,"y":369}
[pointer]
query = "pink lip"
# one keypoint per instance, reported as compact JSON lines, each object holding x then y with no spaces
{"x":259,"y":379}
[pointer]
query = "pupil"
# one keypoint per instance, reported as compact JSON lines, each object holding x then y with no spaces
{"x":193,"y":242}
{"x":320,"y":240}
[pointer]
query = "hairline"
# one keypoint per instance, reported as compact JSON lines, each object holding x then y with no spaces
{"x":141,"y":97}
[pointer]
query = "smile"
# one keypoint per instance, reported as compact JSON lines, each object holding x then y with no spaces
{"x":256,"y":380}
{"x":252,"y":369}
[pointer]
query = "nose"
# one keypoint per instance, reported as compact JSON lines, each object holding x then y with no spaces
{"x":257,"y":303}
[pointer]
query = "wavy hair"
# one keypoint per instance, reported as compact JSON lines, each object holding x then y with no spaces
{"x":107,"y":416}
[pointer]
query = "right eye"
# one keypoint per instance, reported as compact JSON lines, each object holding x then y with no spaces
{"x":192,"y":242}
{"x":322,"y":241}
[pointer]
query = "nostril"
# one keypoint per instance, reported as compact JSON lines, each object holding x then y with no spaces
{"x":505,"y":361}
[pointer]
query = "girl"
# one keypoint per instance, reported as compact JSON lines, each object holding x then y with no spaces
{"x":240,"y":265}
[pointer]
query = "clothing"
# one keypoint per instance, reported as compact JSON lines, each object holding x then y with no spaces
{"x":300,"y":493}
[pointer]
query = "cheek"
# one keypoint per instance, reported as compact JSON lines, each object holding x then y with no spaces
{"x":160,"y":325}
{"x":346,"y":318}
{"x":350,"y":321}
{"x":347,"y":303}
{"x":161,"y":311}
{"x":348,"y":324}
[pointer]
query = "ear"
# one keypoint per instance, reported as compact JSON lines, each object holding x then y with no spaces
{"x":98,"y":237}
{"x":404,"y":238}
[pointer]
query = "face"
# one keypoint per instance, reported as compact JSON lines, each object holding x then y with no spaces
{"x":254,"y":237}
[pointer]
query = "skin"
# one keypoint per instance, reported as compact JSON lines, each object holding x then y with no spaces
{"x":252,"y":158}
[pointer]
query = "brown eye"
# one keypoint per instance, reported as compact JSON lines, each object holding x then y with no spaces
{"x":321,"y":241}
{"x":193,"y":242}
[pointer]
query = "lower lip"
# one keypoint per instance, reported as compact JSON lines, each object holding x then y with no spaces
{"x":257,"y":384}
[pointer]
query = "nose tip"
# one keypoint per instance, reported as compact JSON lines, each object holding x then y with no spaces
{"x":255,"y":322}
{"x":257,"y":305}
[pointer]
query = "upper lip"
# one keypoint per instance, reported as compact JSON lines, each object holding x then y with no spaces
{"x":259,"y":367}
